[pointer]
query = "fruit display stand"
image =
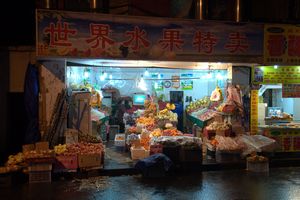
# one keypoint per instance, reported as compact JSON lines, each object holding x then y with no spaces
{"x":198,"y":122}
{"x":179,"y":148}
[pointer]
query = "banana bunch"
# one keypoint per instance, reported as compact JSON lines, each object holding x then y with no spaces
{"x":170,"y":106}
{"x":59,"y":149}
{"x":15,"y":159}
{"x":167,"y":114}
{"x":216,"y":95}
{"x":204,"y":102}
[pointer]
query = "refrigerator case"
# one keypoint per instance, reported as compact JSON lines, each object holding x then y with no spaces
{"x":80,"y":112}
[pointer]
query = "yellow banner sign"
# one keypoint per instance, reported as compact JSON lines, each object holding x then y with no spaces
{"x":282,"y":44}
{"x":254,"y":112}
{"x":280,"y":74}
{"x":291,"y":91}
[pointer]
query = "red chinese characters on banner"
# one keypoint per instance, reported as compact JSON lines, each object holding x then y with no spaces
{"x":276,"y":45}
{"x":294,"y":45}
{"x":137,"y":39}
{"x":171,"y":39}
{"x":100,"y":33}
{"x":237,"y":43}
{"x":204,"y":41}
{"x":287,"y":143}
{"x":296,"y":143}
{"x":59,"y":34}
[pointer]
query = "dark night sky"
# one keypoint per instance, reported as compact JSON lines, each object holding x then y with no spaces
{"x":17,"y":18}
{"x":18,"y":23}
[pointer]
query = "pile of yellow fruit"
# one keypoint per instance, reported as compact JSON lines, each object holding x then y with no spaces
{"x":156,"y":132}
{"x":167,"y":114}
{"x":15,"y":159}
{"x":145,"y":120}
{"x":150,"y":109}
{"x":60,"y":149}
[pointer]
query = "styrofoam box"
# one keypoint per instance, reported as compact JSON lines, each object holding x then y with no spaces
{"x":120,"y":143}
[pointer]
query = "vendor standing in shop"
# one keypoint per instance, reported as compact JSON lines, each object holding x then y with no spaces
{"x":123,"y":106}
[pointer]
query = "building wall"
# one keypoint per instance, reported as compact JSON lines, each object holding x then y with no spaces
{"x":52,"y":81}
{"x":19,"y":57}
{"x":4,"y":83}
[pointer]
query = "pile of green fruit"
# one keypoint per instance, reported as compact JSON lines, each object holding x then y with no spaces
{"x":200,"y":103}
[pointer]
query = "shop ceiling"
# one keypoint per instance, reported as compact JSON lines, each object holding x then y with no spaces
{"x":152,"y":64}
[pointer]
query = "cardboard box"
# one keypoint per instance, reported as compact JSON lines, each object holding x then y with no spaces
{"x":42,"y":146}
{"x":67,"y":161}
{"x":71,"y":136}
{"x":139,"y":153}
{"x":28,"y":147}
{"x":89,"y":160}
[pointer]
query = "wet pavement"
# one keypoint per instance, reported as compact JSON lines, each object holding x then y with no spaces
{"x":279,"y":183}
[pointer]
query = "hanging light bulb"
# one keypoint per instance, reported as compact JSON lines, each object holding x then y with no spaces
{"x":146,"y":73}
{"x":219,"y":76}
{"x":102,"y":77}
{"x":86,"y":73}
{"x":73,"y":75}
{"x":209,"y":75}
{"x":142,"y":84}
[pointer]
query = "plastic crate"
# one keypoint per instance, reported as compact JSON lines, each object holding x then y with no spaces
{"x":40,"y":177}
{"x":40,"y":167}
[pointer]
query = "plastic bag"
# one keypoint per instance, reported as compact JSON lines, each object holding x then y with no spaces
{"x":256,"y":143}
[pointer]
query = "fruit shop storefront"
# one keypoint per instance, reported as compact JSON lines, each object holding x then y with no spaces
{"x":134,"y":79}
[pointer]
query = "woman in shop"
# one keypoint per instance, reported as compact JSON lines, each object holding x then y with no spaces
{"x":123,"y":106}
